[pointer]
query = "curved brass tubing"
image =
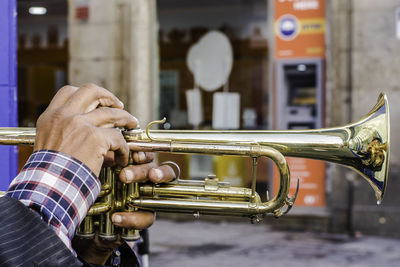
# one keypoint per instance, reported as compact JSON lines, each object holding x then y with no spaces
{"x":242,"y":208}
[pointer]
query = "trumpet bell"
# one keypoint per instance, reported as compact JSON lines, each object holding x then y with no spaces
{"x":371,"y":145}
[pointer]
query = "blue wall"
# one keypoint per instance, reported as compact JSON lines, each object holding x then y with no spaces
{"x":8,"y":87}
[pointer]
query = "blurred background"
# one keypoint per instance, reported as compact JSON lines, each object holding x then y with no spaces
{"x":289,"y":64}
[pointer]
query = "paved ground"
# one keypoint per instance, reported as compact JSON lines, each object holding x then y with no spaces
{"x":224,"y":244}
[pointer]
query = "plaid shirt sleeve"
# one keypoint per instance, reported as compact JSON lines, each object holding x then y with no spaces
{"x":59,"y":188}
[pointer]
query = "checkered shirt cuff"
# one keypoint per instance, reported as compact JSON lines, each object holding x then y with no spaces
{"x":58,"y":187}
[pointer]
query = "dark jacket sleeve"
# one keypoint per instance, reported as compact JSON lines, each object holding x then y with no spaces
{"x":25,"y":240}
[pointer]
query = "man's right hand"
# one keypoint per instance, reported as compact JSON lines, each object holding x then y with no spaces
{"x":81,"y":123}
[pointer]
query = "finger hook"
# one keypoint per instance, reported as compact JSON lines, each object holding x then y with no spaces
{"x":176,"y":166}
{"x":151,"y":124}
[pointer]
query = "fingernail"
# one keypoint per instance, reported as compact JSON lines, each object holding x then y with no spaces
{"x":117,"y":218}
{"x":129,"y":175}
{"x":142,"y":156}
{"x":158,"y":174}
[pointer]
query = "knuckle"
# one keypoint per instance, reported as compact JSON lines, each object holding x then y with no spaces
{"x":112,"y":113}
{"x":145,"y":171}
{"x":90,"y":86}
{"x":149,"y":156}
{"x":59,"y":114}
{"x":152,"y":165}
{"x":52,"y":118}
{"x":103,"y":112}
{"x":68,"y":88}
{"x":117,"y":136}
{"x":41,"y":120}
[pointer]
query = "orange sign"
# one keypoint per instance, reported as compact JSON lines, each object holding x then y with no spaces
{"x":299,"y":28}
{"x":311,"y":176}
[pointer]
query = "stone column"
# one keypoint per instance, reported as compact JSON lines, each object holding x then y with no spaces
{"x":376,"y":66}
{"x":117,"y":48}
{"x":362,"y":61}
{"x":338,"y":101}
{"x":143,"y":61}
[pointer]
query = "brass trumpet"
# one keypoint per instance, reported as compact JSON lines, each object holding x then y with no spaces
{"x":362,"y":146}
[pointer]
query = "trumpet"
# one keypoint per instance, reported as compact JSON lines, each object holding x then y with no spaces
{"x":362,"y":146}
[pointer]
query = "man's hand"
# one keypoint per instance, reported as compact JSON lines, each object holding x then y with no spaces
{"x":145,"y":170}
{"x":80,"y":122}
{"x":97,"y":251}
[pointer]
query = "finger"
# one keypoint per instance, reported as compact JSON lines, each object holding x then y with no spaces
{"x":107,"y":245}
{"x":89,"y":97}
{"x":162,"y":174}
{"x":62,"y":96}
{"x":143,"y":157}
{"x":135,"y":147}
{"x":96,"y":250}
{"x":109,"y":159}
{"x":107,"y":117}
{"x":133,"y":220}
{"x":136,"y":173}
{"x":117,"y":143}
{"x":98,"y":244}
